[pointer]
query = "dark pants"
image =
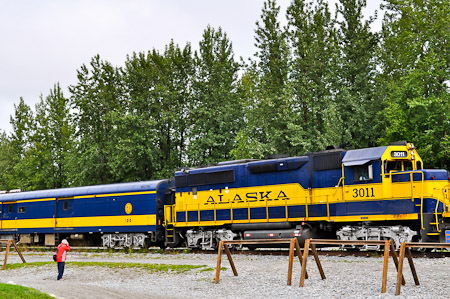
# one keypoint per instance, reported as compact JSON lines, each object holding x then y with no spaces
{"x":60,"y":269}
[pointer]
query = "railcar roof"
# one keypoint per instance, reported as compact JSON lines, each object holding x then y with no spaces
{"x":361,"y":156}
{"x":81,"y":191}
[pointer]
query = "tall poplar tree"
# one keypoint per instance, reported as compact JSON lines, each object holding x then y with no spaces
{"x":355,"y":85}
{"x":153,"y":131}
{"x":268,"y":120}
{"x":20,"y":138}
{"x":215,"y":110}
{"x":415,"y":65}
{"x":97,"y":100}
{"x":312,"y":37}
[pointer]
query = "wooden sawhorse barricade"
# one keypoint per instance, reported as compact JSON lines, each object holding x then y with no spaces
{"x":8,"y":245}
{"x":388,"y":250}
{"x":223,"y":245}
{"x":404,"y":249}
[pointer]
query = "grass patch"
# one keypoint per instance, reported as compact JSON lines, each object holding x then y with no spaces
{"x":152,"y":268}
{"x":212,"y":269}
{"x":14,"y":291}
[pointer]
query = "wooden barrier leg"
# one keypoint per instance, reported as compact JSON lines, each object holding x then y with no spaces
{"x":18,"y":251}
{"x":291,"y":261}
{"x":230,"y":259}
{"x":6,"y":254}
{"x":316,"y":258}
{"x":395,"y":258}
{"x":299,"y":254}
{"x":219,"y":261}
{"x":400,"y":269}
{"x":385,"y":265}
{"x":411,"y":265}
{"x":305,"y":259}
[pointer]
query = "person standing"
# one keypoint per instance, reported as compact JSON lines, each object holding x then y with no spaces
{"x":61,"y":257}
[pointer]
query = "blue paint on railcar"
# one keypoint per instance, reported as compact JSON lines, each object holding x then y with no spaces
{"x":85,"y":191}
{"x":93,"y":229}
{"x":115,"y":205}
{"x":22,"y":205}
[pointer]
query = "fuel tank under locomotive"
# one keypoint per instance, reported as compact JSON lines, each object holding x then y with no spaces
{"x":284,"y":230}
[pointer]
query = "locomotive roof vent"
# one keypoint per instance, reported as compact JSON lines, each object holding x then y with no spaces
{"x":271,"y":157}
{"x":332,"y":147}
{"x":398,"y":143}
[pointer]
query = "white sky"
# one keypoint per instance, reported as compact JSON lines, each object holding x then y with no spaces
{"x":44,"y":42}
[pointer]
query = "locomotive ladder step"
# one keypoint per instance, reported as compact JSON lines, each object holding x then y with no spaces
{"x":433,"y":234}
{"x":434,"y":223}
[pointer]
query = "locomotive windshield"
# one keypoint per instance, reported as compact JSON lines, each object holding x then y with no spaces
{"x":398,"y":165}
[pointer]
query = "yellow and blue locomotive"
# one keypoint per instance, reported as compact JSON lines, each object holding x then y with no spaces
{"x":371,"y":193}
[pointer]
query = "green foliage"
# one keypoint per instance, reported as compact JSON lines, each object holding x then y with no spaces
{"x":318,"y":81}
{"x":215,"y":108}
{"x":152,"y":268}
{"x":98,"y":101}
{"x":416,"y":67}
{"x":15,"y":292}
{"x":266,"y":92}
{"x":355,"y":75}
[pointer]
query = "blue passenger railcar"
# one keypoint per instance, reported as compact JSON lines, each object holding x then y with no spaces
{"x":127,"y":214}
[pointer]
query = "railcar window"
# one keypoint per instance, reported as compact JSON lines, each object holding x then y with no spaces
{"x":363,"y":173}
{"x":65,"y":205}
{"x":10,"y":209}
{"x":419,"y":165}
{"x":22,"y":209}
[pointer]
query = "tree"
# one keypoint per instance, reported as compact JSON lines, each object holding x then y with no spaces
{"x":22,"y":130}
{"x":153,"y":134}
{"x":7,"y":160}
{"x":98,"y":101}
{"x":415,"y":64}
{"x":51,"y":142}
{"x":313,"y":40}
{"x":266,"y":91}
{"x":357,"y":104}
{"x":215,"y":109}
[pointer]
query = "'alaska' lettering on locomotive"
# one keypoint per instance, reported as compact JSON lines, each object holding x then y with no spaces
{"x":249,"y":197}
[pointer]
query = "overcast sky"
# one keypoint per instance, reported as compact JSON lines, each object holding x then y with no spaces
{"x":44,"y":42}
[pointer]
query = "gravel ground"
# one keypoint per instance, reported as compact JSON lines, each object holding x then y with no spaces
{"x":259,"y":276}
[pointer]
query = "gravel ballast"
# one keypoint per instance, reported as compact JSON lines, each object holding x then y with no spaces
{"x":259,"y":276}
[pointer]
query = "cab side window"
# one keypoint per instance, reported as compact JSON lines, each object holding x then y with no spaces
{"x":363,"y":173}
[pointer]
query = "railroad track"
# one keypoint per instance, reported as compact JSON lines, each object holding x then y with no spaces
{"x":277,"y":251}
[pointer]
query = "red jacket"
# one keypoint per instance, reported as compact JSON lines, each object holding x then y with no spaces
{"x":61,"y":255}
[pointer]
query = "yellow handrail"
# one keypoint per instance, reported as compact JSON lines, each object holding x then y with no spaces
{"x":412,"y":194}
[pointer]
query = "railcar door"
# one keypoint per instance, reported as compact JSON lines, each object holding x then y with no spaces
{"x":1,"y":216}
{"x":64,"y":211}
{"x":9,"y":215}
